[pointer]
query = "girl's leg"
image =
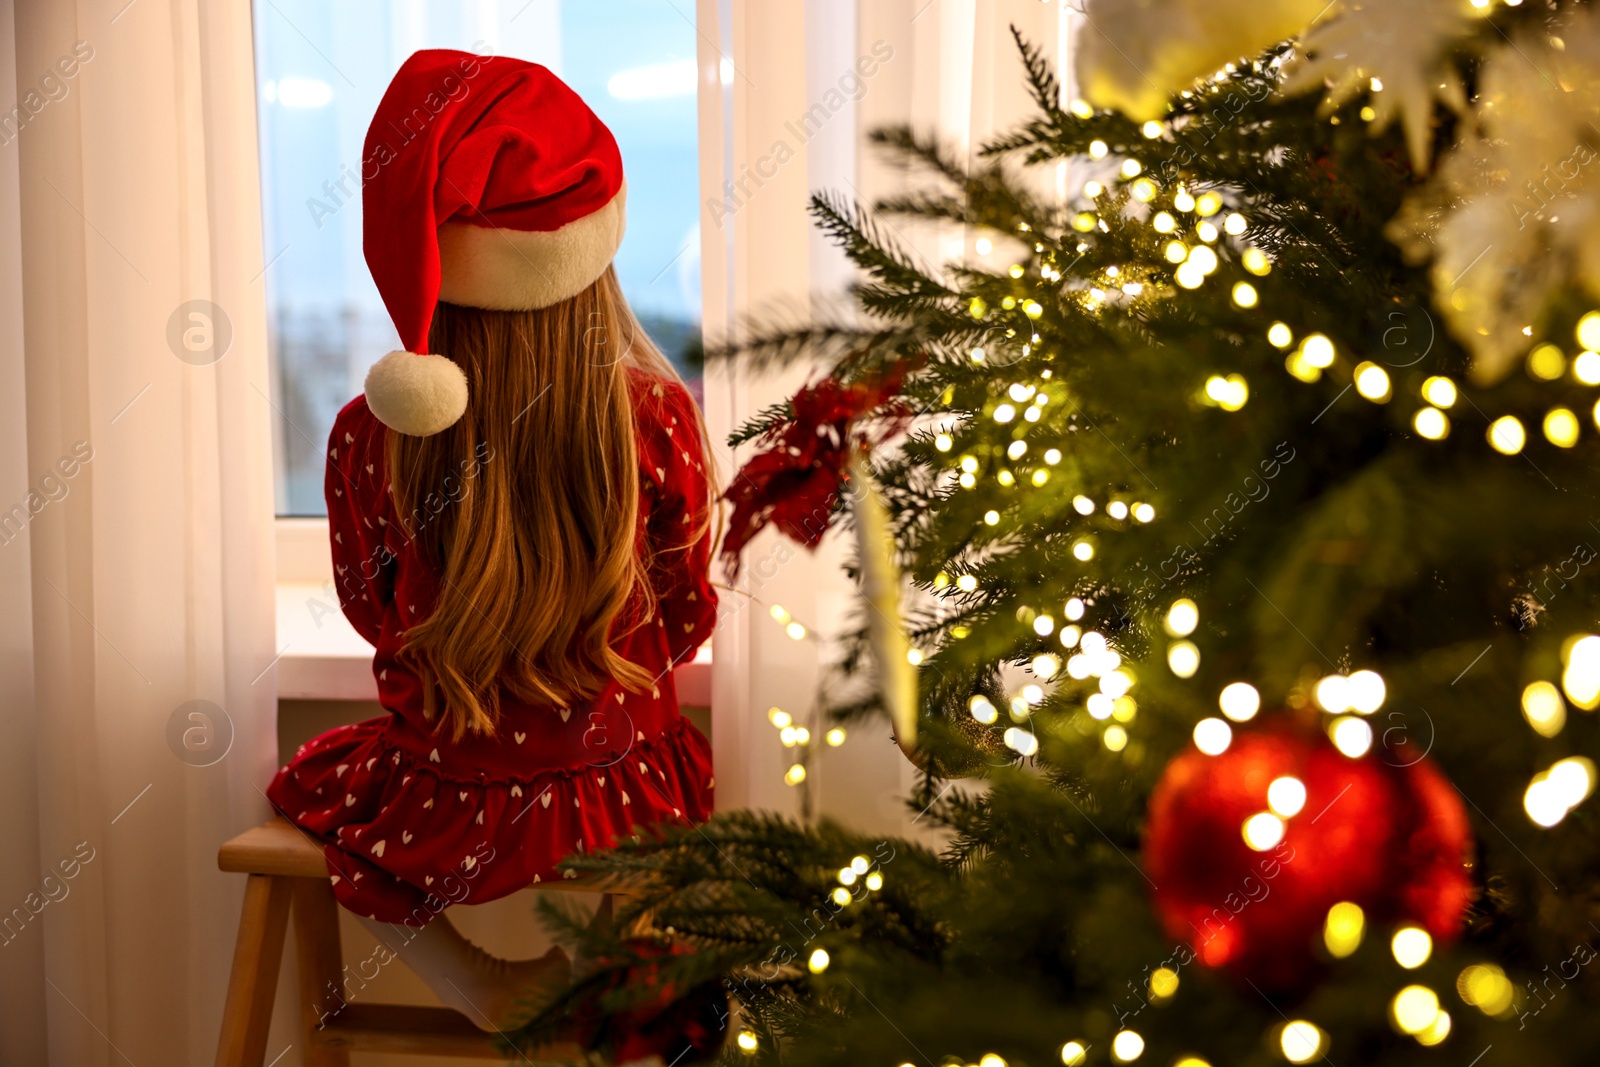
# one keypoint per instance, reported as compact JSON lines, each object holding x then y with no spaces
{"x":484,"y":988}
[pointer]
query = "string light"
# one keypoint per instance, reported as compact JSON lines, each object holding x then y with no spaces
{"x":1414,"y":1009}
{"x":1365,"y":691}
{"x":1183,"y":658}
{"x":1262,"y":831}
{"x":1486,"y":987}
{"x":1506,"y":435}
{"x":1561,"y":427}
{"x":1230,"y":393}
{"x":1212,"y":736}
{"x":1097,"y":149}
{"x":1431,"y":423}
{"x":1588,"y":331}
{"x":1073,"y":1054}
{"x":1163,"y":222}
{"x":1240,"y":701}
{"x":1547,"y":362}
{"x":1580,"y":679}
{"x":1302,"y":1041}
{"x":1351,"y":736}
{"x":1372,"y":382}
{"x":1286,"y":796}
{"x":982,"y":710}
{"x":1151,"y":129}
{"x":1554,"y":793}
{"x":1255,"y":261}
{"x":1439,"y":391}
{"x":835,"y":737}
{"x":1235,"y":224}
{"x":1586,"y":367}
{"x":819,"y":960}
{"x":1022,"y":742}
{"x":1244,"y":295}
{"x":1411,"y":947}
{"x":1182,"y":618}
{"x":1317,"y":351}
{"x":1343,"y":929}
{"x":1544,"y":709}
{"x":795,"y":774}
{"x":1127,"y":1046}
{"x":1117,"y":510}
{"x":1279,"y":335}
{"x":1144,"y":512}
{"x":747,"y":1042}
{"x":1163,"y":983}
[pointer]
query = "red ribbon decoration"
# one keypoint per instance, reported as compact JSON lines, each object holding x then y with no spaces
{"x":794,"y":484}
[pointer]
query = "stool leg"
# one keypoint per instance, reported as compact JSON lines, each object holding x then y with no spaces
{"x":321,"y":967}
{"x":254,"y":981}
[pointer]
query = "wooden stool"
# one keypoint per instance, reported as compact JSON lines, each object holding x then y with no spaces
{"x":285,"y":864}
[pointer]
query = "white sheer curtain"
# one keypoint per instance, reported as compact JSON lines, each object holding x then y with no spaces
{"x":945,"y":65}
{"x":142,"y":579}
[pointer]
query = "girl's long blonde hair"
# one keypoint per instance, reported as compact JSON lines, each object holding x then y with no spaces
{"x":527,"y":507}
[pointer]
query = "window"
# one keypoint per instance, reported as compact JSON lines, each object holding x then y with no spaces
{"x":320,"y":70}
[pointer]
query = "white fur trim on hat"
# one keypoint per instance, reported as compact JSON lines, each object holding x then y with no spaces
{"x":416,"y":395}
{"x":518,"y":270}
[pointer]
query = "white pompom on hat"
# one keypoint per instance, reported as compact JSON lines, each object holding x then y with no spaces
{"x":487,"y":182}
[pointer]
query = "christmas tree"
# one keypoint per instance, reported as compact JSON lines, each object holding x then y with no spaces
{"x":1242,"y":502}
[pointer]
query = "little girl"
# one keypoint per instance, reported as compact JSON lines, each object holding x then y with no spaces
{"x":519,"y":525}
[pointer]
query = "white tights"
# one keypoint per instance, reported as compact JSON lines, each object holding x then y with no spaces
{"x":484,"y":988}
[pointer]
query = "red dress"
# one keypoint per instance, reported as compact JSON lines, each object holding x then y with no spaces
{"x":413,"y":823}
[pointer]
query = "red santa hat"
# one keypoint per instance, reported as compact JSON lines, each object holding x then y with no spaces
{"x":486,"y":182}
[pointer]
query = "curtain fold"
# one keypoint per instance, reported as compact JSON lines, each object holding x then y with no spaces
{"x":788,"y":94}
{"x":137,"y":238}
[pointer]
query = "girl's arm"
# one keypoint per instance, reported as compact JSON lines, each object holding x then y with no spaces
{"x":363,"y":567}
{"x":680,"y":527}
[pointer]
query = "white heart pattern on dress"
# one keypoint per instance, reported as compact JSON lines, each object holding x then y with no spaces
{"x":405,"y":837}
{"x":377,"y":849}
{"x":349,"y":799}
{"x":338,"y":772}
{"x":566,"y":713}
{"x":625,"y":799}
{"x":544,"y":798}
{"x":462,"y":794}
{"x":428,"y":803}
{"x":434,"y":755}
{"x":516,"y":790}
{"x":520,"y":736}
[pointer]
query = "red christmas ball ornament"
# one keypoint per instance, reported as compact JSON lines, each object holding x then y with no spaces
{"x":1248,"y":849}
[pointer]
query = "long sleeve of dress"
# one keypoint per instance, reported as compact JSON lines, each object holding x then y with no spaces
{"x":680,"y":528}
{"x":363,"y":567}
